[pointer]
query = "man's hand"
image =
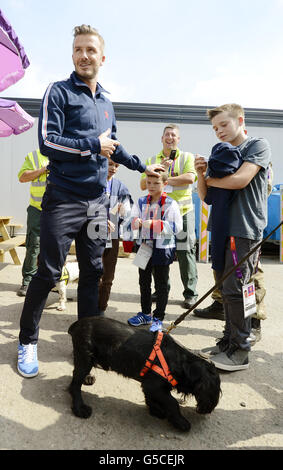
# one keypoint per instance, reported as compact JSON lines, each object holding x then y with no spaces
{"x":151,"y":169}
{"x":30,"y":175}
{"x":166,"y":163}
{"x":44,"y":168}
{"x":108,"y":146}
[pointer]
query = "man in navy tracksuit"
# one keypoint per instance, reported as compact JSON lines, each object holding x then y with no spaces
{"x":77,"y":131}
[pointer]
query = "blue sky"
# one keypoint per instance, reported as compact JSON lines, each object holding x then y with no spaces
{"x":181,"y":52}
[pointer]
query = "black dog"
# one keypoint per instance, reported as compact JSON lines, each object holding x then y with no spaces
{"x":112,"y":345}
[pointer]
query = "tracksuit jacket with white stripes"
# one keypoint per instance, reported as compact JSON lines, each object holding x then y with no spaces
{"x":70,"y":122}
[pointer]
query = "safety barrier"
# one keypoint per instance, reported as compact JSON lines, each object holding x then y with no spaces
{"x":203,"y":233}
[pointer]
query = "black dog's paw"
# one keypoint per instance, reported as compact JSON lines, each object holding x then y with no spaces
{"x":89,"y":380}
{"x":84,"y":411}
{"x":181,"y":423}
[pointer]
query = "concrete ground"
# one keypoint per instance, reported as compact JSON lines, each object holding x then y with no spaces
{"x":36,"y":414}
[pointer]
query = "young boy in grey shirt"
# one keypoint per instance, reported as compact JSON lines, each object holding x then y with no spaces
{"x":247,"y":220}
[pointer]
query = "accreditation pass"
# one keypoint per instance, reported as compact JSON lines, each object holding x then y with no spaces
{"x":249,"y":299}
{"x":143,"y":255}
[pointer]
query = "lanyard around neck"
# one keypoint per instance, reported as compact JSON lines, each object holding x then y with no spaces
{"x":152,"y":215}
{"x":160,"y":203}
{"x":235,"y":257}
{"x":171,"y":169}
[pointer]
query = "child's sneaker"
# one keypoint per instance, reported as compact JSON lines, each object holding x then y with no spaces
{"x":27,"y":360}
{"x":157,"y":325}
{"x":140,"y":319}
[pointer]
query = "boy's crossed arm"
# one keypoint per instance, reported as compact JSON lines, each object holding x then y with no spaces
{"x":238,"y":180}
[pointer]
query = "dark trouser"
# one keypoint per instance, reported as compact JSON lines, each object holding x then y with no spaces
{"x":109,"y":260}
{"x":160,"y":275}
{"x":65,"y":217}
{"x":237,"y":328}
{"x":186,"y":254}
{"x":260,"y":292}
{"x":32,"y":244}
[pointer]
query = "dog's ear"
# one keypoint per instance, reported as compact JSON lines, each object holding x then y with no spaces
{"x":192,"y":376}
{"x":203,"y":382}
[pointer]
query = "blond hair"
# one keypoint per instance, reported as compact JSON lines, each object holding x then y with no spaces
{"x":87,"y":29}
{"x":234,"y":110}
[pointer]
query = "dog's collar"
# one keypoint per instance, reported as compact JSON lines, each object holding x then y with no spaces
{"x":164,"y":369}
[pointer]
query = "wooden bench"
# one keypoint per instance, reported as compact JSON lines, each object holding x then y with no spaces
{"x":12,"y":226}
{"x":10,"y":245}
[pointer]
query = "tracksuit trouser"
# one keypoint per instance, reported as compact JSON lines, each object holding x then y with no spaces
{"x":66,"y":217}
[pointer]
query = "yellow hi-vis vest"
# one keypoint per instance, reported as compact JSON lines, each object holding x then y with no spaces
{"x":34,"y":161}
{"x":183,"y":163}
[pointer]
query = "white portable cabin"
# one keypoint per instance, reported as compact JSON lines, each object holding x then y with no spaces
{"x":140,"y":127}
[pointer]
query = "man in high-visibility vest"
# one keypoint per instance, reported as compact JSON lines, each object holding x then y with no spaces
{"x":182,"y":175}
{"x":34,"y":170}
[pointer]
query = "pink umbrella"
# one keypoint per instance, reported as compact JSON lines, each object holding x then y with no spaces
{"x":13,"y":58}
{"x":13,"y":119}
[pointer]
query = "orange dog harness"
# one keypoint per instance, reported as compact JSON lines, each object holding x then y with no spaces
{"x":164,"y":369}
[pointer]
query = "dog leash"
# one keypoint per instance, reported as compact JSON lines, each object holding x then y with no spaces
{"x":218,"y":283}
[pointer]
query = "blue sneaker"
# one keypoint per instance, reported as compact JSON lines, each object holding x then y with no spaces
{"x":140,"y":319}
{"x":27,"y":360}
{"x":157,"y":325}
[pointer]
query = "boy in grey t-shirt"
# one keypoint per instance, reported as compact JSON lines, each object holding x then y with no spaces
{"x":248,"y":216}
{"x":247,"y":220}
